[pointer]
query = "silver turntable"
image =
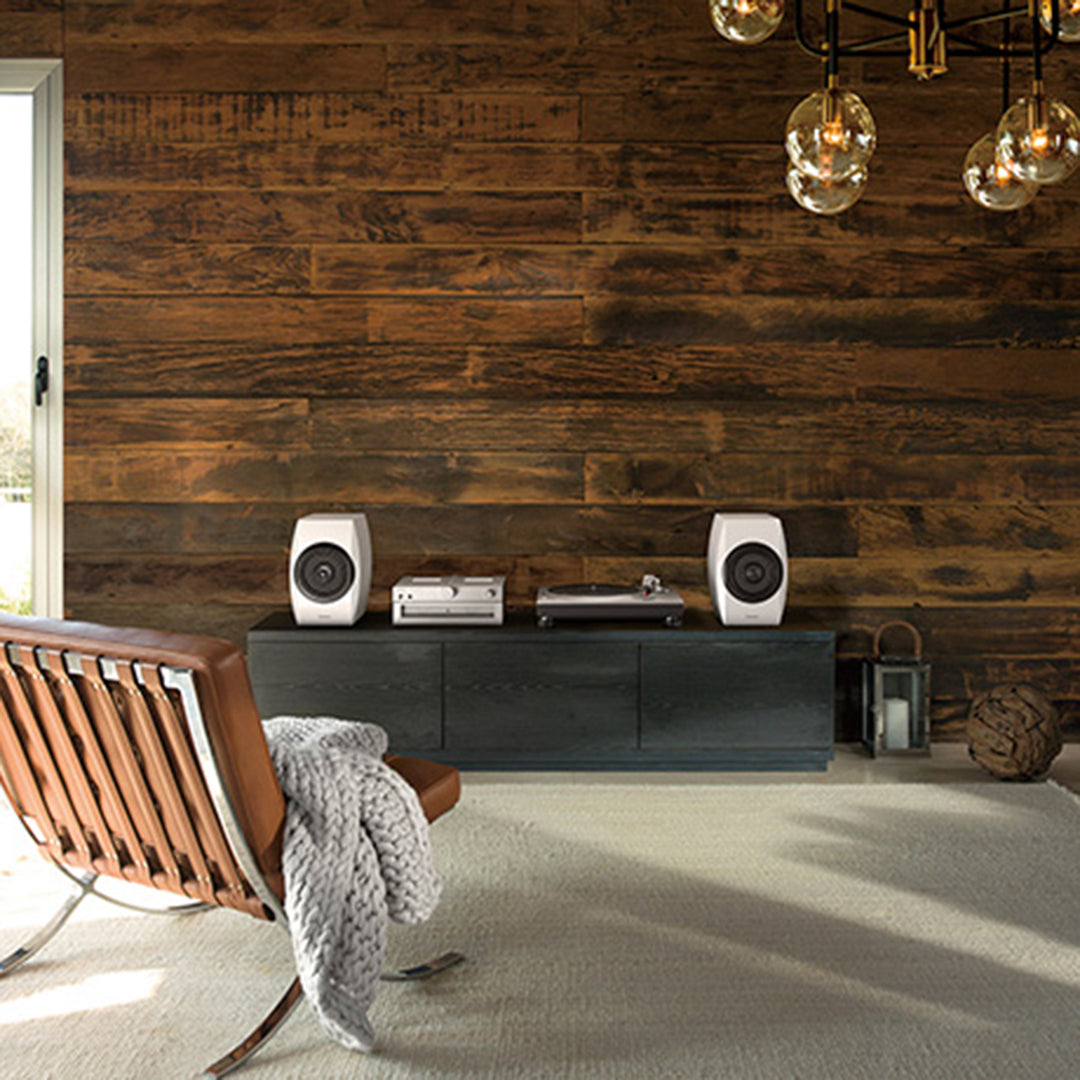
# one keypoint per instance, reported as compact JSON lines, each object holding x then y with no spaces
{"x":649,"y":600}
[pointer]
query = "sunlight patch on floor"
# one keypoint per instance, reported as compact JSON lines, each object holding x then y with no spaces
{"x":97,"y":992}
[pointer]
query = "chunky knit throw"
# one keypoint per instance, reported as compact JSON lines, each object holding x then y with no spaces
{"x":356,"y":851}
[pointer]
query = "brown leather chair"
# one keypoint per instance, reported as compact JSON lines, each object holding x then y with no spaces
{"x":139,"y":755}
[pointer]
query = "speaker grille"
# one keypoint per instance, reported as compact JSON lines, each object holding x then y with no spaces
{"x":753,"y":572}
{"x":324,"y":573}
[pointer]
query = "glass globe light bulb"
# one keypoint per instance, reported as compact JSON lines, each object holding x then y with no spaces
{"x":1038,"y":139}
{"x":826,"y":196}
{"x":746,"y":21}
{"x":990,"y":183}
{"x":1068,"y":19}
{"x":830,"y":135}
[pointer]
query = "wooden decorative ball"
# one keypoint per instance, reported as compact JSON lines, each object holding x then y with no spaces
{"x":1013,"y":732}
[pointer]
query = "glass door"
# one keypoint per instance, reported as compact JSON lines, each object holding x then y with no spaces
{"x":16,"y":346}
{"x":31,"y":409}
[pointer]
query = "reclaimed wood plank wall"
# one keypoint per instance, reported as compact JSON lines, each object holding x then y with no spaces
{"x":520,"y":279}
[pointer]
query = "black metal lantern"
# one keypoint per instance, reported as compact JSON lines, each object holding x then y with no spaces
{"x":896,"y":698}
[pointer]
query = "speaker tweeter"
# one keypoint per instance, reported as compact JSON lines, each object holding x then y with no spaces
{"x":330,"y":569}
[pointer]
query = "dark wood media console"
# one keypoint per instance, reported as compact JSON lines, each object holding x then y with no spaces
{"x":575,"y":696}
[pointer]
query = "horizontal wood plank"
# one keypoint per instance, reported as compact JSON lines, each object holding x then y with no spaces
{"x":504,"y":371}
{"x":187,"y":422}
{"x":33,"y":33}
{"x":108,"y":265}
{"x":215,"y":476}
{"x":761,"y":481}
{"x":440,"y":271}
{"x":168,"y":68}
{"x":658,"y":269}
{"x":977,"y":374}
{"x":971,"y":532}
{"x":319,"y":21}
{"x":705,"y":427}
{"x":284,"y":367}
{"x":268,"y":319}
{"x":544,"y":321}
{"x":771,"y":217}
{"x":100,"y":165}
{"x":245,"y":320}
{"x":695,"y":67}
{"x":290,"y":117}
{"x":918,"y":323}
{"x":102,"y":267}
{"x":291,"y":217}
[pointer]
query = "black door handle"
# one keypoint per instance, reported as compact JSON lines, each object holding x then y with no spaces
{"x":41,"y":379}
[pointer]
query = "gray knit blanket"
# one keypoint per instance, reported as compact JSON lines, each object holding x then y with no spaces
{"x":356,"y":852}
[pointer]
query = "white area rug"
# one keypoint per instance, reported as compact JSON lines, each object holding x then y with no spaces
{"x":773,"y":932}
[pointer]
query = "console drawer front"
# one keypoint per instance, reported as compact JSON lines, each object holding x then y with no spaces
{"x":541,"y":696}
{"x":394,"y":685}
{"x":720,"y":695}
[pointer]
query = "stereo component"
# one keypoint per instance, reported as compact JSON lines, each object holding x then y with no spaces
{"x":453,"y":600}
{"x":649,"y":600}
{"x":330,"y":569}
{"x":748,"y":569}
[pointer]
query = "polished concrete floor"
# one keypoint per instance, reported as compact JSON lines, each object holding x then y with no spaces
{"x":948,"y":763}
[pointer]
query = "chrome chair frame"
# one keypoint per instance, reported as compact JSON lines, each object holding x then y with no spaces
{"x":182,"y":681}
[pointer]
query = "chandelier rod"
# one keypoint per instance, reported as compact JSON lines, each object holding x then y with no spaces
{"x":1036,"y":41}
{"x":1006,"y":52}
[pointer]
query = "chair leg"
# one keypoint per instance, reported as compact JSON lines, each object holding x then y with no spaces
{"x":276,"y":1017}
{"x":259,"y":1037}
{"x":19,"y":957}
{"x":424,"y":971}
{"x":191,"y":907}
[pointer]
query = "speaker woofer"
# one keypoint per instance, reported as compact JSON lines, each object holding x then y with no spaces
{"x":324,"y":573}
{"x":753,"y":572}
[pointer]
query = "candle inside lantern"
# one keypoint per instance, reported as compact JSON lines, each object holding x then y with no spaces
{"x":897,"y":724}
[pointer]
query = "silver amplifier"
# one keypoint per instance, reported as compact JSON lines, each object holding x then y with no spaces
{"x":447,"y":601}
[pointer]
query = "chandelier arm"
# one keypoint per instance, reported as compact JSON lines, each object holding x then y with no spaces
{"x":800,"y":35}
{"x":974,"y":47}
{"x":1047,"y":40}
{"x":873,"y":45}
{"x":882,"y":16}
{"x":986,"y":17}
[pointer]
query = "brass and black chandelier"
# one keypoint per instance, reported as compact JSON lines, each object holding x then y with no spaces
{"x":831,"y":135}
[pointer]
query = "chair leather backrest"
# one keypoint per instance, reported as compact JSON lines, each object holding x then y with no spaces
{"x":85,"y":759}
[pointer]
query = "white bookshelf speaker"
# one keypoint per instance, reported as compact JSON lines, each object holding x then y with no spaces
{"x":330,"y":569}
{"x":748,"y":569}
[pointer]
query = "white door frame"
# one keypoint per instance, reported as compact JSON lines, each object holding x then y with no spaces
{"x":44,"y":80}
